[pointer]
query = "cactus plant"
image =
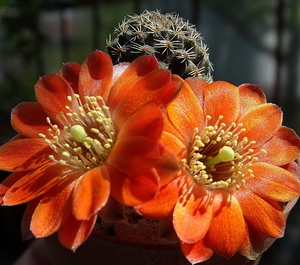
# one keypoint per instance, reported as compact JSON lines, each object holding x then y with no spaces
{"x":175,"y":42}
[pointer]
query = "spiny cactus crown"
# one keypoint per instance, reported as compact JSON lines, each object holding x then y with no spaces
{"x":175,"y":42}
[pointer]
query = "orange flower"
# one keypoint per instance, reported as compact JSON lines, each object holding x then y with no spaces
{"x":93,"y":136}
{"x":237,"y":169}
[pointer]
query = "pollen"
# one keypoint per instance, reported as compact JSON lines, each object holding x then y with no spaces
{"x":85,"y":134}
{"x":219,"y":158}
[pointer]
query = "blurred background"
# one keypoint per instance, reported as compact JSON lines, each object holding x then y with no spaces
{"x":255,"y":41}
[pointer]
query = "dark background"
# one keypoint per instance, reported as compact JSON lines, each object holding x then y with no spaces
{"x":254,"y":41}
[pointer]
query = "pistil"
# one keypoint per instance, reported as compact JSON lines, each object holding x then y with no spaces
{"x":78,"y":133}
{"x":226,"y":154}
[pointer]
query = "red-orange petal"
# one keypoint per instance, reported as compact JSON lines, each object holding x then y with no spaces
{"x":70,"y":72}
{"x":147,"y":121}
{"x":196,"y":252}
{"x":159,"y":87}
{"x":26,"y":220}
{"x":193,"y":215}
{"x":293,"y":167}
{"x":52,"y":92}
{"x":132,"y":190}
{"x":282,"y":149}
{"x":134,"y":155}
{"x":273,"y":182}
{"x":24,"y":154}
{"x":29,"y":119}
{"x":34,"y":184}
{"x":227,"y":228}
{"x":95,"y":77}
{"x":197,"y":85}
{"x":74,"y":232}
{"x":264,"y":216}
{"x":250,"y":96}
{"x":8,"y":182}
{"x":133,"y":73}
{"x":168,"y":166}
{"x":252,"y":244}
{"x":163,"y":204}
{"x":53,"y":209}
{"x":221,"y":99}
{"x":91,"y":193}
{"x":185,"y":114}
{"x":261,"y":123}
{"x":174,"y":145}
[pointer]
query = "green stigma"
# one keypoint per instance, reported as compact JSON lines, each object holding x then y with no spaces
{"x":226,"y":154}
{"x":78,"y":133}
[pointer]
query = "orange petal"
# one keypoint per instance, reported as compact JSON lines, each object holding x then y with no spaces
{"x":192,"y":215}
{"x":95,"y":76}
{"x":273,"y":182}
{"x":168,"y":166}
{"x":283,"y":148}
{"x":170,"y":129}
{"x":159,"y":87}
{"x":132,"y":190}
{"x":197,"y":85}
{"x":52,"y":92}
{"x":261,"y":123}
{"x":74,"y":232}
{"x":134,"y":155}
{"x":174,"y":145}
{"x":221,"y":99}
{"x":24,"y":154}
{"x":227,"y":229}
{"x":293,"y":167}
{"x":26,"y":220}
{"x":8,"y":182}
{"x":265,"y":217}
{"x":91,"y":193}
{"x":29,"y":119}
{"x":53,"y":209}
{"x":147,"y":121}
{"x":185,"y":114}
{"x":196,"y":252}
{"x":34,"y":184}
{"x":70,"y":72}
{"x":163,"y":204}
{"x":252,"y":244}
{"x":250,"y":96}
{"x":133,"y":73}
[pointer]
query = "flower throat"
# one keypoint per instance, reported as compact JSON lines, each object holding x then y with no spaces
{"x":218,"y":159}
{"x":86,"y":134}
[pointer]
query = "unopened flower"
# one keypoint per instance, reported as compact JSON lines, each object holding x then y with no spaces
{"x":93,"y":136}
{"x":237,"y":171}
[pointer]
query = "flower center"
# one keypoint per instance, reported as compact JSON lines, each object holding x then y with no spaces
{"x":218,"y":158}
{"x":85,"y":136}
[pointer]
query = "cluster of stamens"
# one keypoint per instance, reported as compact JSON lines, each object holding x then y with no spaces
{"x":85,"y":134}
{"x":219,"y":159}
